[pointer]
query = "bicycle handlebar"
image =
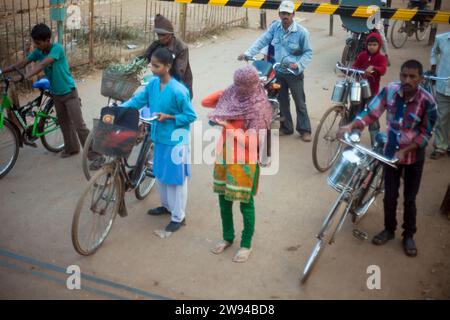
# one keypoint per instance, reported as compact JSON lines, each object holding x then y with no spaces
{"x":149,"y":120}
{"x":347,"y":70}
{"x":275,"y":65}
{"x":347,"y":139}
{"x":434,"y":78}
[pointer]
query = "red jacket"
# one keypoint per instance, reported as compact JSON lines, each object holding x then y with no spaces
{"x":377,"y":60}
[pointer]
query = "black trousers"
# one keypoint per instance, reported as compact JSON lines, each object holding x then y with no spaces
{"x":295,"y":85}
{"x":412,"y":177}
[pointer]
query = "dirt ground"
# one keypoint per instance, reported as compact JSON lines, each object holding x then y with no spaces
{"x":38,"y":197}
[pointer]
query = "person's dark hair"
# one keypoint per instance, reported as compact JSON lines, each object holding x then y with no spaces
{"x":372,"y":39}
{"x":41,"y":32}
{"x":413,"y":64}
{"x":163,"y":55}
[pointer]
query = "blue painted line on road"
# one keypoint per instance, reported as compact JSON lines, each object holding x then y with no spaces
{"x":52,"y":267}
{"x":62,"y":282}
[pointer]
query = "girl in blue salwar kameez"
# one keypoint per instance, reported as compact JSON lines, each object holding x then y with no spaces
{"x":169,"y":99}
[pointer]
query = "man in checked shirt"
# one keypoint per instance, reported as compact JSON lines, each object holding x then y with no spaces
{"x":411,"y":115}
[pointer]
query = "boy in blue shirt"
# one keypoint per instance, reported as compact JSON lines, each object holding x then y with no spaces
{"x":50,"y":58}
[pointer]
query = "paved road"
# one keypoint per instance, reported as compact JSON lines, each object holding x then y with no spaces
{"x":38,"y":197}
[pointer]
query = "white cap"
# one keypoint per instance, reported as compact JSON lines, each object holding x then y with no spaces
{"x":287,"y":6}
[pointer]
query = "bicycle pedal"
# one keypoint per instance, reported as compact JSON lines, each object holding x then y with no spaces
{"x":361,"y":235}
{"x":29,"y":143}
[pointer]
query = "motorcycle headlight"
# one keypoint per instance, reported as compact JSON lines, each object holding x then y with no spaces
{"x":276,"y":86}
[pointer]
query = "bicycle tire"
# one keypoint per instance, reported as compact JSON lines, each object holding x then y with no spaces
{"x":322,"y":240}
{"x":396,"y":29}
{"x":374,"y":188}
{"x":140,"y":192}
{"x":345,"y":54}
{"x":49,"y":109}
{"x":421,"y":35}
{"x":84,"y":157}
{"x":96,"y":183}
{"x":339,"y":111}
{"x":8,"y":130}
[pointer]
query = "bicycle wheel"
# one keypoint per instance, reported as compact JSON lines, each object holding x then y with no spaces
{"x":148,"y":182}
{"x":85,"y":162}
{"x":399,"y":34}
{"x":9,"y":147}
{"x":421,"y":31}
{"x":54,"y":140}
{"x":349,"y":54}
{"x":96,"y":210}
{"x":326,"y":146}
{"x":88,"y":157}
{"x":345,"y":54}
{"x":369,"y":193}
{"x":323,"y":238}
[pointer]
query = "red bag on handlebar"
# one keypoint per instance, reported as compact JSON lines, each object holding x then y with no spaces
{"x":116,"y":131}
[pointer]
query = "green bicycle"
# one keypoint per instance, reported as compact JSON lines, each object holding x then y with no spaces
{"x":15,"y":132}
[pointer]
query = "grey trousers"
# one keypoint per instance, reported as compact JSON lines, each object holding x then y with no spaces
{"x":295,"y":85}
{"x":68,"y":111}
{"x":442,"y":129}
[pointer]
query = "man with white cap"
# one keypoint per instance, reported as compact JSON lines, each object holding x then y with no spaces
{"x":292,"y":49}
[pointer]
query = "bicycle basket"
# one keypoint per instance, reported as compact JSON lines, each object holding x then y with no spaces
{"x":116,"y":132}
{"x":118,"y":86}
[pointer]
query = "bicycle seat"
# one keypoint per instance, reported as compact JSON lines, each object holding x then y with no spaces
{"x":264,"y":68}
{"x":42,"y":84}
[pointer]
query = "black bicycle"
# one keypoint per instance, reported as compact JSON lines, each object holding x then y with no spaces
{"x":104,"y":195}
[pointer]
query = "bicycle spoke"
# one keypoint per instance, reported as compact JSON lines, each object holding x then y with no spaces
{"x":8,"y":148}
{"x":96,"y":212}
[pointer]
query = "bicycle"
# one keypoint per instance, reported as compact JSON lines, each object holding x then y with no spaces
{"x":86,"y":158}
{"x":353,"y":46}
{"x":326,"y":147}
{"x":358,"y":177}
{"x":429,"y":80}
{"x":402,"y":30}
{"x":104,"y":195}
{"x":15,"y":130}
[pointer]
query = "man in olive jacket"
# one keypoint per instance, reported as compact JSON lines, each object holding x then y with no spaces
{"x":181,"y":69}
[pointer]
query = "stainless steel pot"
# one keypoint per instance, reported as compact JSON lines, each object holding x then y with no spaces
{"x":355,"y":92}
{"x":339,"y":91}
{"x":365,"y":89}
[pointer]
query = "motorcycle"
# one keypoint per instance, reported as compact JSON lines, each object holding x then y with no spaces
{"x":268,"y":79}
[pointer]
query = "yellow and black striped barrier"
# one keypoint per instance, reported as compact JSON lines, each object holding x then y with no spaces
{"x":328,"y":8}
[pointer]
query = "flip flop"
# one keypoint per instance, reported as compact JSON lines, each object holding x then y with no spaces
{"x":221,"y":246}
{"x":242,"y":255}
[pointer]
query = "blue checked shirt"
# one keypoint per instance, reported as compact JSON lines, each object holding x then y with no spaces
{"x":440,"y":56}
{"x":407,"y":121}
{"x":285,"y":43}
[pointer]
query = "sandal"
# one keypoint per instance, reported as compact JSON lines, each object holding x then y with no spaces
{"x":435,"y":155}
{"x":409,"y":247}
{"x":242,"y":255}
{"x":383,"y":237}
{"x":221,"y":246}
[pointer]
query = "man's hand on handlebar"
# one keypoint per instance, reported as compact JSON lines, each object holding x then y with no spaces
{"x":242,"y":57}
{"x":293,"y":66}
{"x":400,"y":155}
{"x":343,"y":130}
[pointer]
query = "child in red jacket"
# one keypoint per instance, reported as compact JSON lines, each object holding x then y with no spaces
{"x":375,"y":65}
